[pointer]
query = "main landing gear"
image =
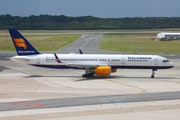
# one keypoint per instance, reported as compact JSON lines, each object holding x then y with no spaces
{"x":153,"y":73}
{"x":88,"y":73}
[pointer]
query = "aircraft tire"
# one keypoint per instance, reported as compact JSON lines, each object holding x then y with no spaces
{"x":92,"y":74}
{"x":84,"y":75}
{"x":152,"y":76}
{"x":88,"y":75}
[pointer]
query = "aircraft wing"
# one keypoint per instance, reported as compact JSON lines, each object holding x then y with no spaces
{"x":82,"y":65}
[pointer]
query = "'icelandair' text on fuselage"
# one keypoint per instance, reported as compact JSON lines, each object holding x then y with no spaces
{"x":140,"y":58}
{"x":26,"y":51}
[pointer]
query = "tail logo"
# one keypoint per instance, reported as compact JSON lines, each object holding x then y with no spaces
{"x":20,"y":42}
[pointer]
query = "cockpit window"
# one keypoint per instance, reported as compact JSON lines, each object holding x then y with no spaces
{"x":165,"y":61}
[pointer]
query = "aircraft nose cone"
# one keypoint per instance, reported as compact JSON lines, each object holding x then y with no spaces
{"x":171,"y":65}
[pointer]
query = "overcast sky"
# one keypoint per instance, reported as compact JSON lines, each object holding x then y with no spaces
{"x":97,"y":8}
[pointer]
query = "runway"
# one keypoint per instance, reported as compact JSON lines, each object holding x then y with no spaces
{"x":24,"y":88}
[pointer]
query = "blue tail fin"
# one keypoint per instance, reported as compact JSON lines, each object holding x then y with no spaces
{"x":23,"y":47}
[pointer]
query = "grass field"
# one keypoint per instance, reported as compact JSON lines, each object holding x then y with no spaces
{"x":133,"y":41}
{"x":41,"y":41}
{"x":139,"y":43}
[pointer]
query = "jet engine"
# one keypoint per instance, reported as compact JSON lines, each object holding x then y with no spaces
{"x":102,"y":70}
{"x":113,"y":70}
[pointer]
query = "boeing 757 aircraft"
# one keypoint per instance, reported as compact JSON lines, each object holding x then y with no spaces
{"x":101,"y":64}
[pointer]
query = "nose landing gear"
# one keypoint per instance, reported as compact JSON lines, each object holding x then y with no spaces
{"x":153,"y":73}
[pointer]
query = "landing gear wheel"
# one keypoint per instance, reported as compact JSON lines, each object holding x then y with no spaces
{"x":84,"y":75}
{"x":153,"y":73}
{"x":152,"y":76}
{"x":92,"y":74}
{"x":88,"y":75}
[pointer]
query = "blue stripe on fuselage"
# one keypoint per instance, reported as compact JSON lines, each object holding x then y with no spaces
{"x":113,"y":67}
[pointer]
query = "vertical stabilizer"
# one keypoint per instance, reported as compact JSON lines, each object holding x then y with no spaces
{"x":23,"y":47}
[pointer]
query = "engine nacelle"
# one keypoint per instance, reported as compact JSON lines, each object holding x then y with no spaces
{"x":113,"y":70}
{"x":102,"y":70}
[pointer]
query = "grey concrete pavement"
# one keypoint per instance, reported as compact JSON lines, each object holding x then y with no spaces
{"x":36,"y":93}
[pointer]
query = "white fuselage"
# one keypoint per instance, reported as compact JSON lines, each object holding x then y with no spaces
{"x":114,"y":61}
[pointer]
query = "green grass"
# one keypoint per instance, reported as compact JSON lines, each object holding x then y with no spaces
{"x":42,"y":42}
{"x":114,"y":35}
{"x":140,"y":43}
{"x":134,"y":41}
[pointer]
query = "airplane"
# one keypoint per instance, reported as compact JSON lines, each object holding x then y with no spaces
{"x":100,"y":64}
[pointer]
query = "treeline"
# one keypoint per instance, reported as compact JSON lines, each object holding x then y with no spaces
{"x":61,"y":22}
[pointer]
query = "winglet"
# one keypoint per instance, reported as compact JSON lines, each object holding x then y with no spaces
{"x":23,"y":47}
{"x":80,"y":51}
{"x":57,"y":59}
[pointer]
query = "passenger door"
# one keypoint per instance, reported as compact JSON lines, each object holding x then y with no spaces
{"x":156,"y":62}
{"x":38,"y":61}
{"x":123,"y":61}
